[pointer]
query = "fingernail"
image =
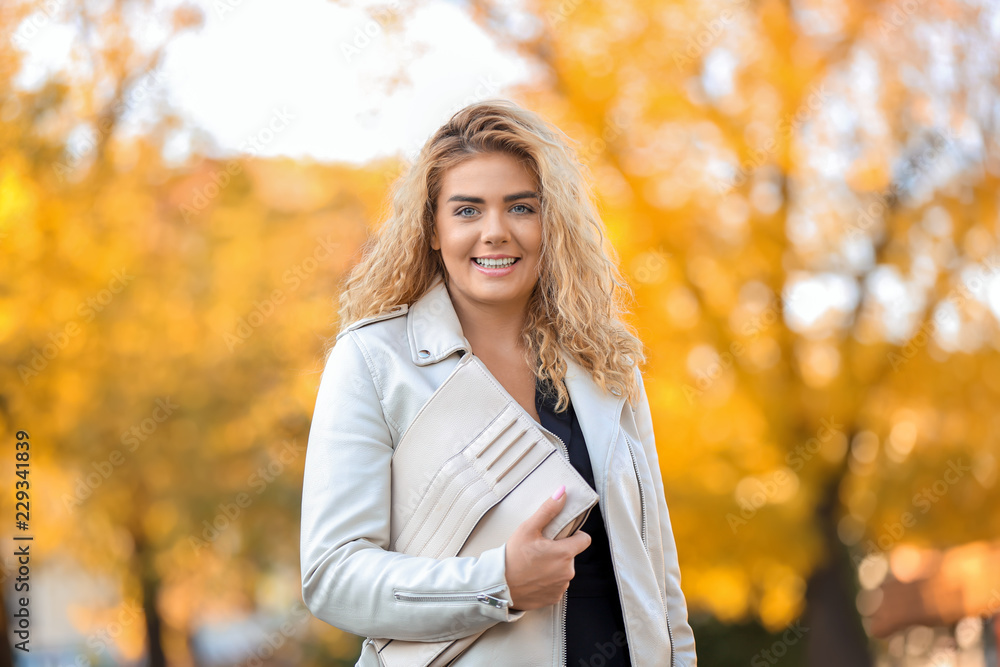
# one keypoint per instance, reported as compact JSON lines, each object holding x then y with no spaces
{"x":558,"y":494}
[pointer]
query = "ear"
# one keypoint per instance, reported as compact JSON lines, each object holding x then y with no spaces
{"x":435,"y":243}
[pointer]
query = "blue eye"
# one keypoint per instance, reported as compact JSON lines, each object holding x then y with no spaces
{"x":527,"y":210}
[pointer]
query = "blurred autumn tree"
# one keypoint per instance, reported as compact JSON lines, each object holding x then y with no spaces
{"x":804,"y":195}
{"x":155,"y":332}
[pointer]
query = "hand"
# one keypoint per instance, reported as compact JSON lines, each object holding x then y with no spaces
{"x":539,"y":569}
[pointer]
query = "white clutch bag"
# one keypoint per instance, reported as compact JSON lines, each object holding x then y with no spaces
{"x":471,"y":467}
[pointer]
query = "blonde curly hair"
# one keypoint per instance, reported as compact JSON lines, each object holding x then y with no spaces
{"x":576,"y":307}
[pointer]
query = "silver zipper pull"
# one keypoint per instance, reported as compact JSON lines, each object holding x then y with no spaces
{"x":499,"y":603}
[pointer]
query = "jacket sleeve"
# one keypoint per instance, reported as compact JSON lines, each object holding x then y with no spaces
{"x":683,"y":635}
{"x":349,"y":579}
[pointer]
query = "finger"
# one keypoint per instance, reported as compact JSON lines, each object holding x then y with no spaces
{"x":546,"y":511}
{"x":578,"y":541}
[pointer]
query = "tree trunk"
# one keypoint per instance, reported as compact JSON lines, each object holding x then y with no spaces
{"x":154,"y":624}
{"x":836,"y":637}
{"x":6,"y":650}
{"x":149,"y":580}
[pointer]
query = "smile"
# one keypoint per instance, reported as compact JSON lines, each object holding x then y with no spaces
{"x":495,"y":263}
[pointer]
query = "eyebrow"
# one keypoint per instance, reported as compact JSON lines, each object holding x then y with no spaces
{"x":527,"y":194}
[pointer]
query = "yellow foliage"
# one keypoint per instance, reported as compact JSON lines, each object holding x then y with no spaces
{"x":233,"y":291}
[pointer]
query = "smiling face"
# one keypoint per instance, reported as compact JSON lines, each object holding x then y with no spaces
{"x":487,"y":214}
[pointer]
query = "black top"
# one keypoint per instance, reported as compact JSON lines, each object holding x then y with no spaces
{"x":595,"y":629}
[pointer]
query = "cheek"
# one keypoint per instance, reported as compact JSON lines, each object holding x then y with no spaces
{"x":454,"y":244}
{"x":535,"y":241}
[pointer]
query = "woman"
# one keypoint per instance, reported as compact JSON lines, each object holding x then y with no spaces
{"x":494,"y":247}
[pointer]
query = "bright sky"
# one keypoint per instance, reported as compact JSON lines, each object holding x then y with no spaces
{"x":307,"y":79}
{"x":314,"y":69}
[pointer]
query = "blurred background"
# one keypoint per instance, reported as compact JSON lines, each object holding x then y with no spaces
{"x":804,"y":196}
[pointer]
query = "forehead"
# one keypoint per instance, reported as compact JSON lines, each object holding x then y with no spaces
{"x":491,"y":173}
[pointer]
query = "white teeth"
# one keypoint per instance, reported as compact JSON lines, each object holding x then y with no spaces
{"x":495,"y":263}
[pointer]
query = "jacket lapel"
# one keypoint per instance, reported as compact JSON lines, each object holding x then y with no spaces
{"x":598,"y":412}
{"x":435,"y":332}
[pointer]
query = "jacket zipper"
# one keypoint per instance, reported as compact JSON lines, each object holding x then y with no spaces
{"x":562,"y":445}
{"x":565,"y":453}
{"x":642,"y":495}
{"x":565,"y":597}
{"x":486,"y":598}
{"x":565,"y":602}
{"x":642,"y":503}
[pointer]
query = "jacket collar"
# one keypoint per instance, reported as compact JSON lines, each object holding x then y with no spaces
{"x":435,"y":332}
{"x":433,"y":328}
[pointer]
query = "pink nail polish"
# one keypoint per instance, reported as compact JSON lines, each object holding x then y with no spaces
{"x":558,"y":494}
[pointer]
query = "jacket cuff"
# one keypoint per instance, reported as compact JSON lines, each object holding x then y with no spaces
{"x":495,"y":560}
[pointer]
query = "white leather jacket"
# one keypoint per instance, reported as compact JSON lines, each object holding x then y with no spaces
{"x":380,"y":372}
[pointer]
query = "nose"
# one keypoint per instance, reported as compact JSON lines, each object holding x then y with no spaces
{"x":495,"y":229}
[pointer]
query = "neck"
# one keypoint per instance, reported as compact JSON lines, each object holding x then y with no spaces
{"x":491,"y":329}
